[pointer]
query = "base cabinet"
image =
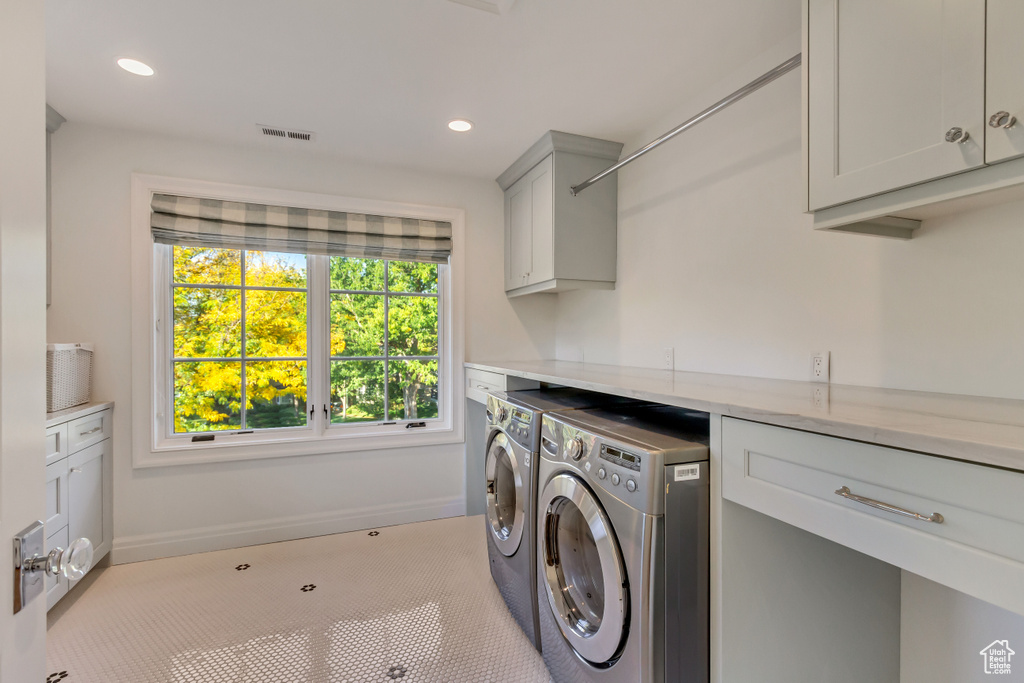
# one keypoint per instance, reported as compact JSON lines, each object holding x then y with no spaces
{"x":817,"y":582}
{"x":77,"y":491}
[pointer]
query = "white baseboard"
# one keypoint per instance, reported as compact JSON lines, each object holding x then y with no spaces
{"x":225,"y":536}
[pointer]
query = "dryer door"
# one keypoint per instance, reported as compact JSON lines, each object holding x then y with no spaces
{"x":582,"y":569}
{"x":505,"y":493}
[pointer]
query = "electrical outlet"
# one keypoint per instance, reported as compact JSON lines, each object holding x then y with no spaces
{"x":668,"y":358}
{"x":820,"y":366}
{"x":819,"y":397}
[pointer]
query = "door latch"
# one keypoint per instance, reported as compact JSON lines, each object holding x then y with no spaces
{"x":31,"y":566}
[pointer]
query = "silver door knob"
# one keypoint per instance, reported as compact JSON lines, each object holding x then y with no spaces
{"x":1002,"y":119}
{"x":72,"y":563}
{"x":957,"y":135}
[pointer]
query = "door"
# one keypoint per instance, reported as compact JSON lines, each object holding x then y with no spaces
{"x":583,"y":574}
{"x":542,"y":222}
{"x":529,"y":228}
{"x":86,"y":496}
{"x":518,"y":233}
{"x":22,"y":322}
{"x":1004,"y":87}
{"x":505,"y":494}
{"x":887,"y":83}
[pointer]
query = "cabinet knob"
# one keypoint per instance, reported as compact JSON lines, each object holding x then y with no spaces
{"x":1002,"y":119}
{"x":957,"y":135}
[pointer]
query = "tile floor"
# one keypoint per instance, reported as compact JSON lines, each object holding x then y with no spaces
{"x":408,"y":603}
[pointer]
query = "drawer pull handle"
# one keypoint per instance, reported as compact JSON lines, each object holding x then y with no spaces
{"x":482,"y":386}
{"x":870,"y":502}
{"x":76,"y":470}
{"x":91,"y":431}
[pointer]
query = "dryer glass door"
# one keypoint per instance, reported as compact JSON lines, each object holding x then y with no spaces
{"x":583,"y":570}
{"x":505,"y":494}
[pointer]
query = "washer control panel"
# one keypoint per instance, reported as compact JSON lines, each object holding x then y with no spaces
{"x":620,"y":457}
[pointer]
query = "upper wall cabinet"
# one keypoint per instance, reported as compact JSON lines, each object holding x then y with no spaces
{"x":908,"y":103}
{"x":1004,"y":94}
{"x":554,"y":241}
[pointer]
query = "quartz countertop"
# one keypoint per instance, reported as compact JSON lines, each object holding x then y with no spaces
{"x":988,"y":431}
{"x":74,"y":412}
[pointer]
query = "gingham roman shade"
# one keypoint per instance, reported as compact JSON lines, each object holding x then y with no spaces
{"x":195,"y":222}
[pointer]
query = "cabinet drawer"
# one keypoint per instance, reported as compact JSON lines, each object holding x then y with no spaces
{"x":479,"y":382}
{"x":794,"y":476}
{"x":56,"y":443}
{"x":88,"y":430}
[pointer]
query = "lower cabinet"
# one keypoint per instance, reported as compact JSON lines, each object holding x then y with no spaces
{"x":77,"y":492}
{"x":846,"y":561}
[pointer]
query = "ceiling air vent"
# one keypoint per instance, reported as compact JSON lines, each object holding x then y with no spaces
{"x":492,"y":6}
{"x":285,"y":134}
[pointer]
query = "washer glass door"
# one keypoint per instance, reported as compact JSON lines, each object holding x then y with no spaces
{"x":583,"y":570}
{"x":505,"y":494}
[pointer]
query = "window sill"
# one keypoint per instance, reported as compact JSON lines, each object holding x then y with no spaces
{"x":172,"y":452}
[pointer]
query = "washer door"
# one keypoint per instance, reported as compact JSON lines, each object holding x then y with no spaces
{"x":505,"y":494}
{"x":583,"y":571}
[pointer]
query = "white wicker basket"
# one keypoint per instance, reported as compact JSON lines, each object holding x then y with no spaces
{"x":68,"y":375}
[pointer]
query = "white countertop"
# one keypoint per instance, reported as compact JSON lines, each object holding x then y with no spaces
{"x":988,"y":431}
{"x":58,"y":416}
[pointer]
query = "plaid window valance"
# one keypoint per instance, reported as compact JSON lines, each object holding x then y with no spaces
{"x":240,"y":225}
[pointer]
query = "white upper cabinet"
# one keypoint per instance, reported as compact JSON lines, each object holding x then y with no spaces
{"x":891,"y":89}
{"x":554,"y":241}
{"x":1004,"y":95}
{"x":896,"y":94}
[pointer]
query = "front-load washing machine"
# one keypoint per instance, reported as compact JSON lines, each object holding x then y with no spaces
{"x":622,"y":529}
{"x":513,"y":438}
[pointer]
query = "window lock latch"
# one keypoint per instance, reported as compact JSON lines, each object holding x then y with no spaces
{"x":312,"y":409}
{"x":327,"y":415}
{"x":413,"y":425}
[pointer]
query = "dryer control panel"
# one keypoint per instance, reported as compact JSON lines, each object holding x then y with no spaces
{"x":620,"y":457}
{"x":628,"y":468}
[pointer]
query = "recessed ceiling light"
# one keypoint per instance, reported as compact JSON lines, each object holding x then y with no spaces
{"x":135,"y":66}
{"x":460,"y":125}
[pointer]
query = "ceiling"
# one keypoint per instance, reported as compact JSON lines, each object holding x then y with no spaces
{"x":378,"y":80}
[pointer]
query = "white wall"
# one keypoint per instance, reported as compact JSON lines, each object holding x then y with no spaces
{"x":716,"y":259}
{"x":188,"y":508}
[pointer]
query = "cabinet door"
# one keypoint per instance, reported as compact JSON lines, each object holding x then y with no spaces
{"x":56,"y":496}
{"x":887,"y":81}
{"x":1004,"y":88}
{"x":85,"y":495}
{"x":518,"y":233}
{"x":542,"y":222}
{"x":56,"y":586}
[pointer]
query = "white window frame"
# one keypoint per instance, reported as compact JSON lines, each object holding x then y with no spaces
{"x":154,"y":444}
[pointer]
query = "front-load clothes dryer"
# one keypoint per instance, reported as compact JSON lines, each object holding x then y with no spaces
{"x":622,"y":530}
{"x":513,"y":438}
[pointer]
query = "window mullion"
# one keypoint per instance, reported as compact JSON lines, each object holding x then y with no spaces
{"x":241,"y":408}
{"x":318,"y":345}
{"x":387,"y":348}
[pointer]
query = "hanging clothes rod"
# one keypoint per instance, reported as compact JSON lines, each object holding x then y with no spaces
{"x":785,"y":67}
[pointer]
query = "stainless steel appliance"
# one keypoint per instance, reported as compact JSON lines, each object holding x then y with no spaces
{"x":513,"y":438}
{"x":622,"y":528}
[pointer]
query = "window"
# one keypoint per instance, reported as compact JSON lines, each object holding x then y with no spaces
{"x":239,"y":339}
{"x":243,"y":343}
{"x":282,"y":323}
{"x":384,"y":351}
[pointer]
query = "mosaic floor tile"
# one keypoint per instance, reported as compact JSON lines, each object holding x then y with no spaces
{"x":413,"y":603}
